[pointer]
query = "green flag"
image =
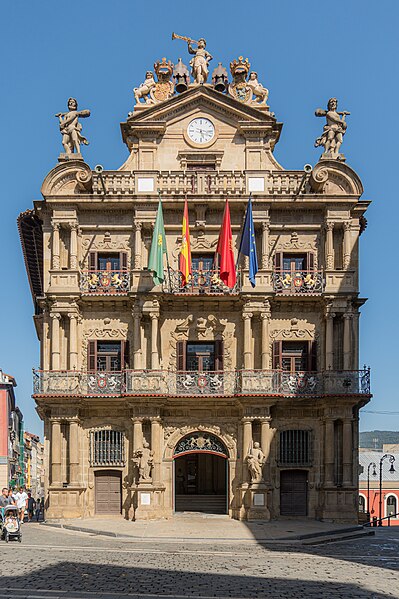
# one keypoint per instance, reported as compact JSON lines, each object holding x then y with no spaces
{"x":158,"y":248}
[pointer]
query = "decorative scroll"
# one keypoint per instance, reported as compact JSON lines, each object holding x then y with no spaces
{"x":200,"y":442}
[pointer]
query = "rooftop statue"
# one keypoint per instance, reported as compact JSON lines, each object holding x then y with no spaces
{"x":333,"y":131}
{"x":259,"y":92}
{"x":152,"y":91}
{"x":70,"y":127}
{"x":144,"y":89}
{"x":199,"y":64}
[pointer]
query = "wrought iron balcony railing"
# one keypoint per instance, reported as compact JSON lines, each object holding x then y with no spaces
{"x":104,"y":281}
{"x":303,"y":282}
{"x":228,"y":383}
{"x":203,"y":282}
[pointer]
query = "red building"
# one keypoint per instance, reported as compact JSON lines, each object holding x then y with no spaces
{"x":11,"y":434}
{"x":369,"y":484}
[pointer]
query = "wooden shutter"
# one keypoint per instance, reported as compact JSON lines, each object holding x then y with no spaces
{"x":277,"y":354}
{"x":123,"y":261}
{"x":125,"y":355}
{"x":93,"y":261}
{"x":278,"y":261}
{"x":312,"y":356}
{"x":181,"y":355}
{"x":310,"y":261}
{"x":219,"y":354}
{"x":92,"y":356}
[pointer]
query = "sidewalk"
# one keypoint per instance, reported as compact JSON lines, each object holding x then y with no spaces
{"x":204,"y":528}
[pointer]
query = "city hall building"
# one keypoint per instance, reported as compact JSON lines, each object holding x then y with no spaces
{"x":194,"y":395}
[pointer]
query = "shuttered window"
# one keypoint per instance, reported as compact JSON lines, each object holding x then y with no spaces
{"x":294,"y":356}
{"x":295,"y":448}
{"x":107,"y":448}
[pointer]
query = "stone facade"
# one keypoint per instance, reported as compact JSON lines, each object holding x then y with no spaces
{"x":276,"y":365}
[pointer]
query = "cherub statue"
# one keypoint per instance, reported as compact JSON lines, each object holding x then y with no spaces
{"x":199,"y":64}
{"x":143,"y":458}
{"x":261,"y":93}
{"x":143,"y":90}
{"x":255,"y":460}
{"x":70,"y":127}
{"x":333,"y":131}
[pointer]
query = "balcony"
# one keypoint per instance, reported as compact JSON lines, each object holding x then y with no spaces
{"x":230,"y":383}
{"x":300,"y":282}
{"x":203,"y":282}
{"x":104,"y":282}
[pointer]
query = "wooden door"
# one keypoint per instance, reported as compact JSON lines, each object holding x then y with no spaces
{"x":108,"y":492}
{"x":294,"y":493}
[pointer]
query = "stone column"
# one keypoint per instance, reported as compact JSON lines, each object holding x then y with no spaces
{"x":347,"y":244}
{"x":137,"y":433}
{"x":266,"y":436}
{"x":347,"y":451}
{"x":73,"y":263}
{"x":73,"y":340}
{"x":156,"y":429}
{"x":265,"y":316}
{"x":265,"y":245}
{"x":137,"y":245}
{"x":329,"y":452}
{"x":45,"y":345}
{"x":56,"y":453}
{"x":137,"y":355}
{"x":154,"y":340}
{"x":329,"y":246}
{"x":247,"y":316}
{"x":347,"y":341}
{"x":55,"y":340}
{"x":56,"y":247}
{"x":329,"y":340}
{"x":74,"y":452}
{"x":246,"y":444}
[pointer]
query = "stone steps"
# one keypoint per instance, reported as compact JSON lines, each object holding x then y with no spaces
{"x":210,"y":504}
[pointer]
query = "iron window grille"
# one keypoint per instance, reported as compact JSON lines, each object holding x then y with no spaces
{"x":107,"y":448}
{"x":295,"y":448}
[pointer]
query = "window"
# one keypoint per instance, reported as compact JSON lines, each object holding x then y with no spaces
{"x":109,"y":261}
{"x":200,"y":356}
{"x":295,"y":356}
{"x":362,"y":504}
{"x":107,"y":448}
{"x":295,"y":448}
{"x":204,"y":262}
{"x":292,"y":263}
{"x":108,"y":356}
{"x":391,"y":505}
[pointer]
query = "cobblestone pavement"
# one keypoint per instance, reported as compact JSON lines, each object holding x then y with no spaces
{"x":52,"y":564}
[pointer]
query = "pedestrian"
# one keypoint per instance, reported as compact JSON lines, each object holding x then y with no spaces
{"x":21,"y":500}
{"x":4,"y":498}
{"x":11,"y":496}
{"x":38,"y":509}
{"x":31,"y":504}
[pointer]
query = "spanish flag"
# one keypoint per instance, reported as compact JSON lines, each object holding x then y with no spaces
{"x":227,"y":267}
{"x":185,"y":251}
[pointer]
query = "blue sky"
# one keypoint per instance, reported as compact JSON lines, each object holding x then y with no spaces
{"x":304,"y":52}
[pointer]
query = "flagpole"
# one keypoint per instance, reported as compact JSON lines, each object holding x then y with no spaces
{"x":167,"y":255}
{"x":245,"y":217}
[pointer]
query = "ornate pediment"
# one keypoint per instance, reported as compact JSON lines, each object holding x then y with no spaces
{"x":68,"y":178}
{"x":332,"y":177}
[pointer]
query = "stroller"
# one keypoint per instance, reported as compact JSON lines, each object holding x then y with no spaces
{"x":10,"y":526}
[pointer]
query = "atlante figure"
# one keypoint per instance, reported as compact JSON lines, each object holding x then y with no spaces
{"x":255,"y":460}
{"x":70,"y":127}
{"x":333,"y":131}
{"x":199,"y":64}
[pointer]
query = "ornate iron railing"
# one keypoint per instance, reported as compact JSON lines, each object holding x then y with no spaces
{"x":105,"y":281}
{"x":169,"y":383}
{"x":298,"y":282}
{"x":205,"y":282}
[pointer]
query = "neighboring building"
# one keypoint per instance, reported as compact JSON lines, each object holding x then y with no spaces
{"x":369,"y":501}
{"x":34,"y":464}
{"x":375,"y":440}
{"x":11,"y":435}
{"x":154,"y":397}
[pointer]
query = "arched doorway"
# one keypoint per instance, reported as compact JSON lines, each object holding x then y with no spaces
{"x":200,"y":484}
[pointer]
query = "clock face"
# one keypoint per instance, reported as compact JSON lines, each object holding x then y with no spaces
{"x":201,"y":130}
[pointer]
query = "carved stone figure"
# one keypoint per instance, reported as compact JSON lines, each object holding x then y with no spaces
{"x":239,"y":88}
{"x":333,"y":131}
{"x":70,"y":127}
{"x":143,"y":458}
{"x":144,"y":89}
{"x":199,"y":64}
{"x":164,"y":88}
{"x":259,"y":92}
{"x":255,"y":460}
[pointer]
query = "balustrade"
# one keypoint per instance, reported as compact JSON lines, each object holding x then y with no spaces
{"x":302,"y":282}
{"x":105,"y":281}
{"x":205,"y":282}
{"x":208,"y":383}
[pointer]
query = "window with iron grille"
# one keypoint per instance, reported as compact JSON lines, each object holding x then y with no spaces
{"x":107,"y":448}
{"x":295,"y":448}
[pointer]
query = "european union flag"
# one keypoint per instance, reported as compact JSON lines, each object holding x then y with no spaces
{"x":248,"y":243}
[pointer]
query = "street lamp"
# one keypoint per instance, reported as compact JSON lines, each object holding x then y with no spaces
{"x":392,"y":469}
{"x":374,"y":473}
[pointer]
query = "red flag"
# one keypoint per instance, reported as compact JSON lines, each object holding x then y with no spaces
{"x":185,"y":251}
{"x":227,"y":267}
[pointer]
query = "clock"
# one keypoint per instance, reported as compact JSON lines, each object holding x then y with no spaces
{"x":201,"y":131}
